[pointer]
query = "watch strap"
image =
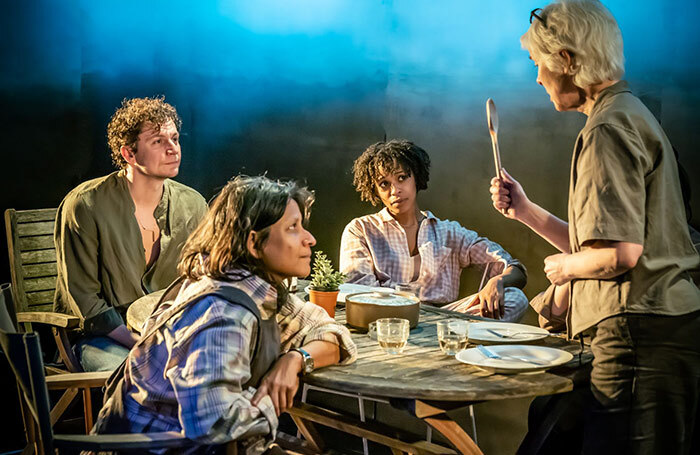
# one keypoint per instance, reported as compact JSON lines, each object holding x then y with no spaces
{"x":307,"y":360}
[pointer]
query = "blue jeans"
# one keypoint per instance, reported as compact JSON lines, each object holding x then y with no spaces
{"x":99,"y":353}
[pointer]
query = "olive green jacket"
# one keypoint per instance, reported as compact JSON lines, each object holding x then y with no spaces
{"x":100,"y":257}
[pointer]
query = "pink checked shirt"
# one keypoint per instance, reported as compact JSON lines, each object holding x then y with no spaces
{"x":374,"y":252}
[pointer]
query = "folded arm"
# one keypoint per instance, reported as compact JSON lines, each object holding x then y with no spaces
{"x":600,"y":259}
{"x":505,"y":271}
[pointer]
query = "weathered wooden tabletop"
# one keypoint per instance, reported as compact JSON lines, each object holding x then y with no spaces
{"x":423,"y":372}
{"x":424,"y":381}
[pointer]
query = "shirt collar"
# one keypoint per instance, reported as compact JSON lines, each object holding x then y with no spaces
{"x":164,"y":209}
{"x":385,"y":216}
{"x":619,"y":87}
{"x":263,"y":293}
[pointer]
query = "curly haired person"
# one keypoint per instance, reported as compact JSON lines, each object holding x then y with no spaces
{"x":403,"y":245}
{"x":118,"y":237}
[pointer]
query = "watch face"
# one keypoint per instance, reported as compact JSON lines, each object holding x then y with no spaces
{"x":308,"y":361}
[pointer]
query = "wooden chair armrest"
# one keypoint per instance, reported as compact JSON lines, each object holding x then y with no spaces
{"x":77,"y":380}
{"x":64,"y":321}
{"x":132,"y":441}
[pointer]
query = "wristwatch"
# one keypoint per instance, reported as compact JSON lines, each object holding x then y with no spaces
{"x":308,"y":360}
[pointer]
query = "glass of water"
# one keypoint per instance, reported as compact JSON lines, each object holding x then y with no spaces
{"x":392,"y":334}
{"x":409,"y":289}
{"x":452,"y":335}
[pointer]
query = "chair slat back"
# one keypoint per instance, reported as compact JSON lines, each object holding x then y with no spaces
{"x":24,"y":356}
{"x":32,"y":257}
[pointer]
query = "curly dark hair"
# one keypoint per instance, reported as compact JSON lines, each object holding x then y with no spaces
{"x":389,"y":157}
{"x":126,"y":123}
{"x":245,"y":204}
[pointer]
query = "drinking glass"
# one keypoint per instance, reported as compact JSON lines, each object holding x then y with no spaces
{"x":452,"y":335}
{"x":392,"y":334}
{"x":410,"y":289}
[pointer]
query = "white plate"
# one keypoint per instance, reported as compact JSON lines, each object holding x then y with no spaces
{"x":550,"y":356}
{"x":350,"y":288}
{"x":520,"y":332}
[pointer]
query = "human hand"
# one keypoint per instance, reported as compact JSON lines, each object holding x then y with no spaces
{"x":490,"y":299}
{"x":281,"y":382}
{"x":556,"y":270}
{"x":508,"y":196}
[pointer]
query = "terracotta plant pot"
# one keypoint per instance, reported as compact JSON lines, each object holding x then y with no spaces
{"x":324,"y":299}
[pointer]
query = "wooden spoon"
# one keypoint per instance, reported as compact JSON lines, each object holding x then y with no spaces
{"x":492,"y":118}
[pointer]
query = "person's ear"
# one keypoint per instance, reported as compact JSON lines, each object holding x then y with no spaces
{"x":250,"y":244}
{"x":568,"y":59}
{"x":127,"y":153}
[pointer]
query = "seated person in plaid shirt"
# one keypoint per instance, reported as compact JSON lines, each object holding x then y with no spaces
{"x":402,"y":244}
{"x":220,"y":357}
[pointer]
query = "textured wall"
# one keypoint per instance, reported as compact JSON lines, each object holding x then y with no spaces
{"x":299,"y":89}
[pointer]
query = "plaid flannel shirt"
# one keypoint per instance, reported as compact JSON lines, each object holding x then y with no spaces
{"x":188,"y":377}
{"x":374,"y":252}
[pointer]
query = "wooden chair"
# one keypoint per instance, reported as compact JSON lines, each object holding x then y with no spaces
{"x":33,"y":272}
{"x":24,"y":355}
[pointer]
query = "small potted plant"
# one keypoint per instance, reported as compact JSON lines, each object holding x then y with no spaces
{"x":323,"y":290}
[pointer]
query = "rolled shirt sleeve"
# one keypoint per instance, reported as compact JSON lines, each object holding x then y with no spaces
{"x":474,"y":250}
{"x":542,"y":303}
{"x":303,"y":322}
{"x":609,"y":196}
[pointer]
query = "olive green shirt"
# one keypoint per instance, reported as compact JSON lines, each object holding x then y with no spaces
{"x":624,"y":187}
{"x":100,"y":257}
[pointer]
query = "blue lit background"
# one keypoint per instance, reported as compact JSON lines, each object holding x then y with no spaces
{"x":299,"y":88}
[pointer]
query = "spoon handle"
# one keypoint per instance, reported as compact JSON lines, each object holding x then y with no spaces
{"x":496,"y":154}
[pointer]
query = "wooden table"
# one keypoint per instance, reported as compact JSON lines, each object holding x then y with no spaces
{"x":422,"y":381}
{"x":427,"y":383}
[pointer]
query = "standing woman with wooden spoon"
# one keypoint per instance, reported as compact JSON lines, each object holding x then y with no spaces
{"x":625,"y":251}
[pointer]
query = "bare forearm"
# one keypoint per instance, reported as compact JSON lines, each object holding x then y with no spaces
{"x":324,"y":353}
{"x":561,"y":300}
{"x":595,"y":263}
{"x":547,"y":226}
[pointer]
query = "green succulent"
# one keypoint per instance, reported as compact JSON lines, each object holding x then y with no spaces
{"x":323,"y":277}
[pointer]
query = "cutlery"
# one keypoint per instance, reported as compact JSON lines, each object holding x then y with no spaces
{"x":509,"y":335}
{"x":492,"y":355}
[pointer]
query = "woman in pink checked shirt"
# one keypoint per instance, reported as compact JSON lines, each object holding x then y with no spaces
{"x":402,"y":244}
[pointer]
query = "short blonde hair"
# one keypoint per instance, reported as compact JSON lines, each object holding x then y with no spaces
{"x":587,"y":30}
